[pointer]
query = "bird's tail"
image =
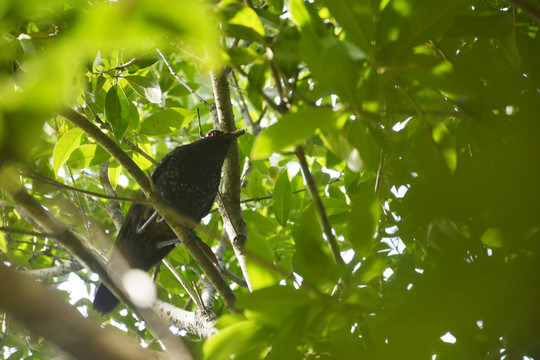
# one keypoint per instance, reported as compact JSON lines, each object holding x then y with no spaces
{"x":105,"y":301}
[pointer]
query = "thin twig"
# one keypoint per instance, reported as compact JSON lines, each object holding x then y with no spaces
{"x":83,"y":212}
{"x":59,"y":257}
{"x":119,"y":67}
{"x":183,"y":282}
{"x":37,"y":176}
{"x":11,"y":230}
{"x":181,"y":81}
{"x":380,"y":173}
{"x":319,"y":207}
{"x":281,"y":109}
{"x":36,"y":244}
{"x":138,"y":150}
{"x":255,"y":128}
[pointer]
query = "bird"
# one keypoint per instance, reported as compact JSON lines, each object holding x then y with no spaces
{"x":188,"y":179}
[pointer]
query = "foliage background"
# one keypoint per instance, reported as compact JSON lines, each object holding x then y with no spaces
{"x":419,"y":120}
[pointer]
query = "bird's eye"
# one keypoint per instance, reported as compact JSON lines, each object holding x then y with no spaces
{"x":212,"y":133}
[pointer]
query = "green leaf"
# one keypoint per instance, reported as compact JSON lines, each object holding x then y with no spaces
{"x":259,"y":275}
{"x":321,"y":54}
{"x":166,"y":121}
{"x":356,"y":17}
{"x":372,"y":267}
{"x":242,"y":21}
{"x":292,"y":129}
{"x":141,"y":160}
{"x":417,"y":21}
{"x":233,"y":340}
{"x":114,"y":173}
{"x":492,"y":238}
{"x":260,"y":305}
{"x":65,"y":146}
{"x":180,"y":255}
{"x":242,"y":55}
{"x":311,"y":259}
{"x":282,"y":198}
{"x":117,"y":110}
{"x":148,"y":88}
{"x":364,"y":219}
{"x":256,"y":188}
{"x":3,"y":243}
{"x":87,"y":155}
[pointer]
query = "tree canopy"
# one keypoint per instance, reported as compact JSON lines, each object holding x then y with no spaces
{"x":383,"y":203}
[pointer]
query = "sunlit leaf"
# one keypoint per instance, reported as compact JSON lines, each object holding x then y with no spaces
{"x":256,"y":188}
{"x":364,"y":219}
{"x":148,"y":88}
{"x":117,"y":110}
{"x":291,"y":129}
{"x":65,"y":146}
{"x":492,"y":238}
{"x":242,"y":21}
{"x":312,"y":260}
{"x":87,"y":155}
{"x":282,"y":198}
{"x":114,"y":173}
{"x":166,"y":121}
{"x":3,"y":243}
{"x":235,"y":339}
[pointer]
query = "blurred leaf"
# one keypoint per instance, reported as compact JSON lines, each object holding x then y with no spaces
{"x":371,"y":268}
{"x":482,"y":23}
{"x":282,"y":198}
{"x":364,"y":219}
{"x":260,"y":275}
{"x":311,"y":259}
{"x":276,"y":4}
{"x":87,"y":155}
{"x":416,"y":22}
{"x":242,"y":21}
{"x":3,"y":243}
{"x":291,"y":129}
{"x":241,"y":55}
{"x":357,"y":20}
{"x":147,"y":88}
{"x":166,"y":121}
{"x":65,"y":146}
{"x":114,"y":173}
{"x":255,"y":184}
{"x":117,"y":110}
{"x":492,"y":238}
{"x":258,"y":305}
{"x":444,"y":140}
{"x":236,"y":339}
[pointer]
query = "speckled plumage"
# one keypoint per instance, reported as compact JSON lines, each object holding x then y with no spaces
{"x":188,"y":179}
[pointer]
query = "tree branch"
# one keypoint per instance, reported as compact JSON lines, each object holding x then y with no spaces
{"x":61,"y":323}
{"x":55,"y":271}
{"x":192,"y":322}
{"x":111,"y":278}
{"x":229,"y":199}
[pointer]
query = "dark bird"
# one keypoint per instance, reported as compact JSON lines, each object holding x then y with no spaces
{"x":188,"y":179}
